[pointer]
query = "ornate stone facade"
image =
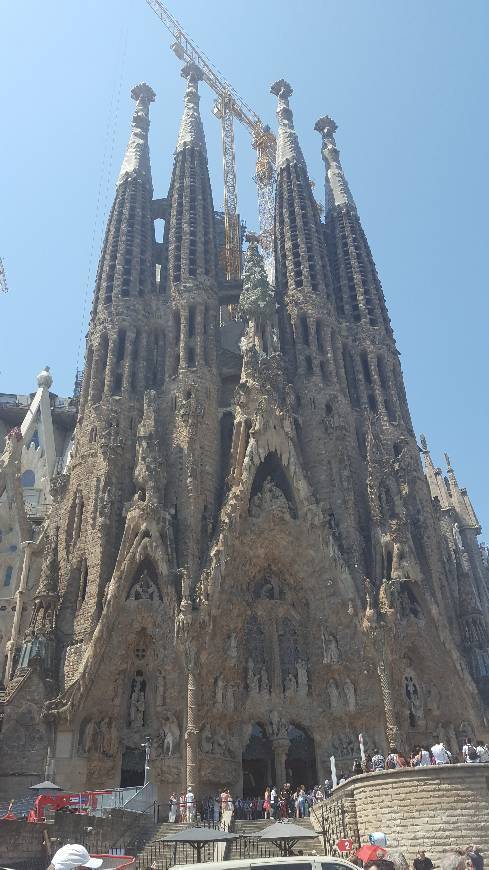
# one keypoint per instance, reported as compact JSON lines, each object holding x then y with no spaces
{"x":245,"y":561}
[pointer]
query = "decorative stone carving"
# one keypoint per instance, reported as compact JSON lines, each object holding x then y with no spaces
{"x":160,"y":689}
{"x":302,"y":681}
{"x":270,"y":499}
{"x":349,"y":691}
{"x":230,"y":698}
{"x":232,"y":648}
{"x":252,"y":678}
{"x":264,"y":684}
{"x":219,"y":691}
{"x":215,"y":742}
{"x":206,"y":743}
{"x":334,"y":696}
{"x":137,"y":701}
{"x":457,"y":537}
{"x":278,"y":727}
{"x":414,"y":698}
{"x":99,"y":737}
{"x":144,"y":589}
{"x":290,"y":685}
{"x":169,"y":736}
{"x":331,"y":655}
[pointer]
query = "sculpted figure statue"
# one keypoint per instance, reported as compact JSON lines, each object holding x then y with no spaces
{"x":219,"y":691}
{"x":265,"y":686}
{"x":233,"y":648}
{"x":171,"y":730}
{"x":137,"y":702}
{"x":290,"y":685}
{"x":253,"y":680}
{"x":457,"y":536}
{"x":331,"y":655}
{"x":206,"y":740}
{"x":349,"y":691}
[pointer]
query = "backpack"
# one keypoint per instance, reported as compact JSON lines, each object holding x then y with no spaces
{"x":472,"y":752}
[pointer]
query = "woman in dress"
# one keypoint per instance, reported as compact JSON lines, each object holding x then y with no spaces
{"x":173,"y":806}
{"x":266,"y":803}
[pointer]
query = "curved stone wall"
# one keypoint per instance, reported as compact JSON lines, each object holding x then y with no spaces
{"x":433,"y":808}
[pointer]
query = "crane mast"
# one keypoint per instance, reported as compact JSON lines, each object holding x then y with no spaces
{"x":230,"y":105}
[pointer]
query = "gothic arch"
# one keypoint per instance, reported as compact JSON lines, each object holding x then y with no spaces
{"x":271,"y":471}
{"x":144,"y":584}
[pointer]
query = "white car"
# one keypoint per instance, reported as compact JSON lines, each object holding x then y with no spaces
{"x":299,"y":862}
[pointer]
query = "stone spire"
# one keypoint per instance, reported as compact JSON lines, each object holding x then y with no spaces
{"x":126,"y":266}
{"x":301,"y":258}
{"x":460,"y":500}
{"x":191,"y":129}
{"x":357,"y":289}
{"x":126,"y":277}
{"x":337,"y":190}
{"x":288,"y":148}
{"x":136,"y":159}
{"x":189,"y":244}
{"x":434,"y":476}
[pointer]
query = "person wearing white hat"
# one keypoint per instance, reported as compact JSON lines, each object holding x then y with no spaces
{"x":72,"y":857}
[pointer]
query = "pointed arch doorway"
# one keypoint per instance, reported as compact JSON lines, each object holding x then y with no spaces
{"x":258,"y":763}
{"x":300,"y":763}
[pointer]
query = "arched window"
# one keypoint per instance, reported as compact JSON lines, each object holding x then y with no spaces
{"x":8,"y":575}
{"x":28,"y":478}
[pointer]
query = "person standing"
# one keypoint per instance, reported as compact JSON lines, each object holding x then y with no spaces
{"x":482,"y":752}
{"x":476,"y":859}
{"x":225,"y":798}
{"x":173,"y":807}
{"x":190,"y":805}
{"x":266,"y":804}
{"x":391,"y":761}
{"x":422,"y":862}
{"x":469,"y":752}
{"x":183,"y":808}
{"x":439,"y":752}
{"x":274,"y":802}
{"x":378,"y":761}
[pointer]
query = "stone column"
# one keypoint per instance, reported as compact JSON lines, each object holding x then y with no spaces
{"x":192,"y":730}
{"x":280,"y":747}
{"x":11,"y":645}
{"x":393,"y":733}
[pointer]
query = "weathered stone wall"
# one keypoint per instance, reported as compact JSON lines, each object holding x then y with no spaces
{"x":433,"y":808}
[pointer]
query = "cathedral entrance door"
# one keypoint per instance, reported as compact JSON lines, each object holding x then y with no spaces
{"x":132,"y":769}
{"x":258,"y":763}
{"x":300,"y":764}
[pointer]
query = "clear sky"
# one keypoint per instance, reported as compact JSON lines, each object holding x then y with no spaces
{"x":407,"y":84}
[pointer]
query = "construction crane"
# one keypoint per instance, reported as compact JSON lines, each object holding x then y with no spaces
{"x":230,"y":105}
{"x":3,"y":278}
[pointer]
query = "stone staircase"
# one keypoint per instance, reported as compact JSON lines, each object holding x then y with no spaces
{"x":256,"y":848}
{"x":148,"y":847}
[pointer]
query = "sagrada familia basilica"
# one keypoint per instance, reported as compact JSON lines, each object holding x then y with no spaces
{"x":230,"y":542}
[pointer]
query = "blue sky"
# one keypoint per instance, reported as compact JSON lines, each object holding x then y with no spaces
{"x":407,"y":85}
